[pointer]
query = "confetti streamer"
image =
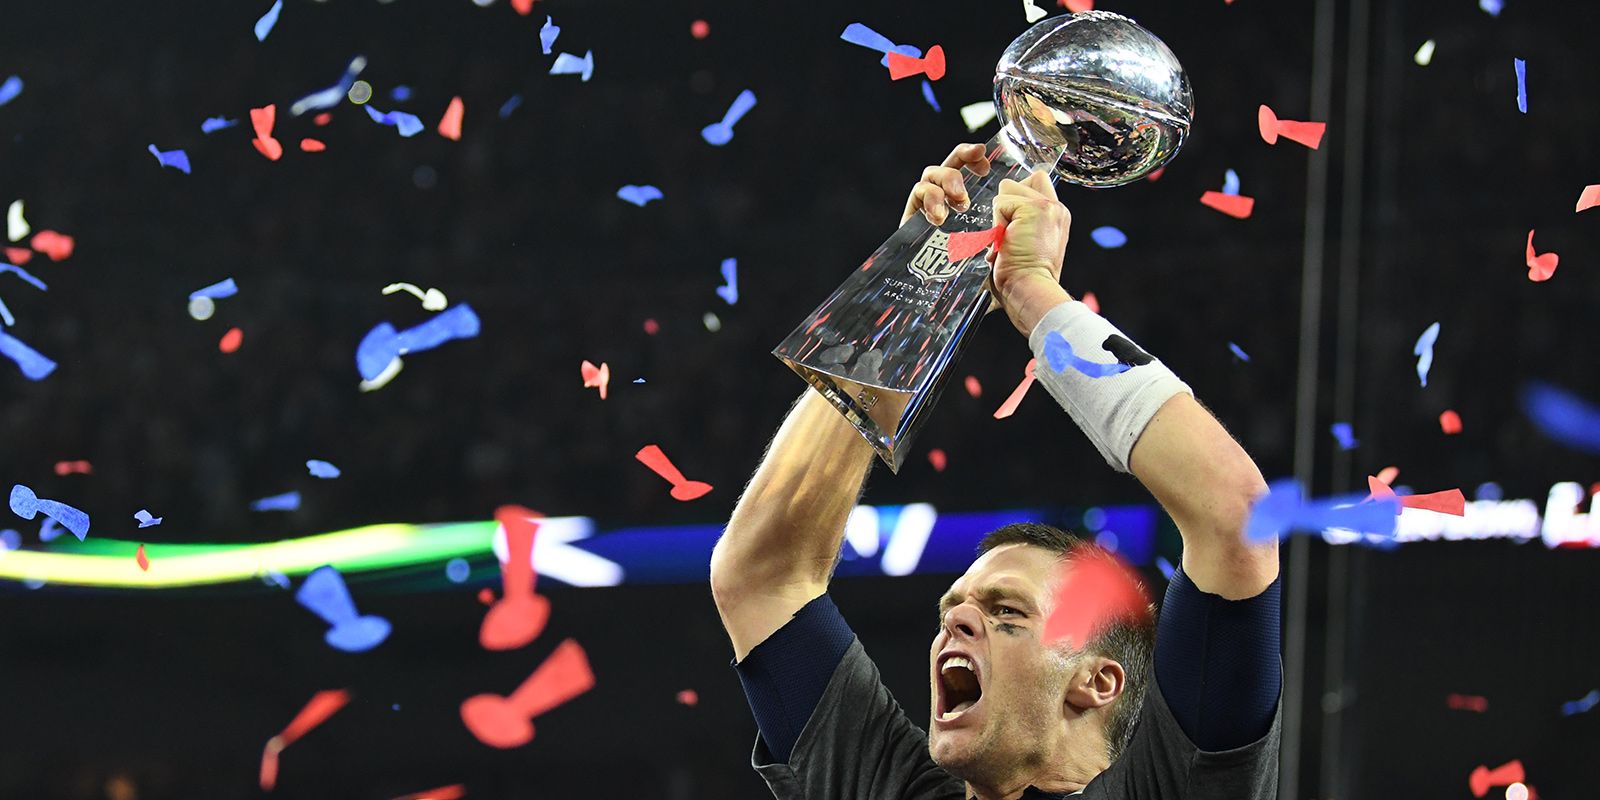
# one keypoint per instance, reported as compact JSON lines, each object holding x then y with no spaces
{"x":682,"y":489}
{"x":1450,"y":422}
{"x":1451,"y":501}
{"x":596,"y":377}
{"x":34,"y":365}
{"x":288,"y":501}
{"x":638,"y":195}
{"x":1230,"y":182}
{"x":1521,"y":68}
{"x":729,"y":291}
{"x":720,"y":133}
{"x":1009,"y":407}
{"x":323,"y":705}
{"x":974,"y":388}
{"x":1587,"y":199}
{"x":383,"y":343}
{"x":938,"y":459}
{"x":141,"y":559}
{"x":1483,"y":778}
{"x":1306,"y":133}
{"x":26,"y":504}
{"x":145,"y":519}
{"x":269,"y":19}
{"x":927,"y":94}
{"x":64,"y":468}
{"x":1234,"y":205}
{"x":454,"y":791}
{"x":520,"y":615}
{"x":10,"y":89}
{"x":1031,"y":12}
{"x":1581,"y":705}
{"x":1283,"y":511}
{"x":177,"y":159}
{"x":1467,"y":702}
{"x":322,"y":469}
{"x":408,"y":124}
{"x":966,"y":244}
{"x":16,"y":226}
{"x":1094,"y":588}
{"x":333,"y":95}
{"x":1058,"y":352}
{"x":506,"y":722}
{"x":231,"y":341}
{"x":326,"y":595}
{"x":450,"y":123}
{"x":548,"y":34}
{"x":388,"y":373}
{"x":214,"y":124}
{"x":1540,"y":267}
{"x":861,"y":35}
{"x":1558,"y":414}
{"x":977,"y":115}
{"x":217,"y":291}
{"x":432,"y":299}
{"x":903,"y":66}
{"x":1239,"y":353}
{"x":569,"y":64}
{"x":1108,"y":237}
{"x":1345,"y":435}
{"x":1423,"y":350}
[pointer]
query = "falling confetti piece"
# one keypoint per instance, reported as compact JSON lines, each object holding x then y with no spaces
{"x":1239,"y":353}
{"x":1424,"y":55}
{"x":729,"y":291}
{"x":141,"y":559}
{"x":1167,"y":570}
{"x":699,"y":29}
{"x":1491,"y":7}
{"x":1306,"y":133}
{"x":858,"y":34}
{"x":1589,"y":198}
{"x":688,"y":697}
{"x":523,"y":7}
{"x":927,"y":94}
{"x":1058,"y":352}
{"x":1450,"y":422}
{"x":10,"y":89}
{"x":506,"y":722}
{"x":288,"y":501}
{"x":231,"y":341}
{"x":269,"y":19}
{"x":57,"y":246}
{"x":383,"y":343}
{"x":16,"y":226}
{"x":903,"y":66}
{"x":331,"y":96}
{"x":974,"y":388}
{"x":1031,"y":12}
{"x":1091,"y":302}
{"x":638,"y":195}
{"x":1467,"y":702}
{"x":1540,"y":266}
{"x":1094,"y":589}
{"x":966,"y":244}
{"x":569,"y":64}
{"x":450,"y":123}
{"x":24,"y":503}
{"x":520,"y":615}
{"x":1076,"y":6}
{"x":322,"y":469}
{"x":1581,"y":705}
{"x":177,"y":159}
{"x":400,"y":94}
{"x":145,"y":519}
{"x":1388,"y":475}
{"x":1423,"y":350}
{"x":977,"y":115}
{"x":217,"y":291}
{"x":1283,"y":511}
{"x":1156,"y":176}
{"x":596,"y":377}
{"x":1230,"y":182}
{"x":1560,"y":415}
{"x":1234,"y":205}
{"x":214,"y":124}
{"x":408,"y":124}
{"x":937,"y":458}
{"x":1009,"y":407}
{"x":312,"y":145}
{"x":263,"y":120}
{"x":1345,"y":435}
{"x":651,"y":327}
{"x":322,"y":705}
{"x":1108,"y":237}
{"x":1451,"y":501}
{"x":683,"y":489}
{"x":720,"y":133}
{"x":1483,"y":778}
{"x":64,"y":468}
{"x":454,"y":791}
{"x":432,"y":299}
{"x":322,"y":119}
{"x":1521,"y":68}
{"x":547,"y":34}
{"x":34,"y":365}
{"x":325,"y":594}
{"x":19,"y":255}
{"x":511,"y":104}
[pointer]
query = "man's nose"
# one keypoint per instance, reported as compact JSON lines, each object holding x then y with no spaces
{"x":964,"y":620}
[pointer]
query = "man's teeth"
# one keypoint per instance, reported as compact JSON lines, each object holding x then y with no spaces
{"x":957,"y":661}
{"x":960,"y":708}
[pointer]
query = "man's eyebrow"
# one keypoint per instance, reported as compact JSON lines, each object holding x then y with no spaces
{"x":990,"y":594}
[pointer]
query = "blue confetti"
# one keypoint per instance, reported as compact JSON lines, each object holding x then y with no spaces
{"x":638,"y":380}
{"x":1239,"y":352}
{"x":288,"y":501}
{"x":384,"y":344}
{"x":1423,"y":350}
{"x":23,"y":274}
{"x":927,"y":94}
{"x":1283,"y":511}
{"x":1522,"y":83}
{"x":1563,"y":416}
{"x":1582,"y":704}
{"x":1345,"y":435}
{"x":1058,"y":351}
{"x":1108,"y":237}
{"x":10,"y":89}
{"x":26,"y":504}
{"x":720,"y":133}
{"x":858,"y":34}
{"x":322,"y":469}
{"x":10,"y":539}
{"x":5,"y":315}
{"x":408,"y":124}
{"x":638,"y":195}
{"x":1230,"y":182}
{"x":177,"y":159}
{"x":50,"y":530}
{"x":214,"y":124}
{"x":511,"y":104}
{"x":1492,"y":6}
{"x":34,"y":366}
{"x":548,"y":34}
{"x":217,"y":291}
{"x":1167,"y":570}
{"x":400,"y":94}
{"x":325,"y":593}
{"x":269,"y":19}
{"x":333,"y":95}
{"x":273,"y":577}
{"x":145,"y":520}
{"x":569,"y":64}
{"x":730,"y":273}
{"x":457,"y":570}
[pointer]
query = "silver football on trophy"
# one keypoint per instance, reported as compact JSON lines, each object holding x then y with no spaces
{"x":1099,"y":88}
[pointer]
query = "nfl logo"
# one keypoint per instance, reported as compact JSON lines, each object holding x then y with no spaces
{"x":932,"y":263}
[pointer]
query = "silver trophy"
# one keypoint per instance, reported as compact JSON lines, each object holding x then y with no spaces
{"x":1091,"y":96}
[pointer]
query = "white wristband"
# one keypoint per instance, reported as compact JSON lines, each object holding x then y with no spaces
{"x":1114,"y":410}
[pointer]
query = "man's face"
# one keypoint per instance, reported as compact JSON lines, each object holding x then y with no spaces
{"x":997,"y":691}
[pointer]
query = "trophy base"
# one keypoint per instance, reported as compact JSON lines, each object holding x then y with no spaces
{"x":875,"y":411}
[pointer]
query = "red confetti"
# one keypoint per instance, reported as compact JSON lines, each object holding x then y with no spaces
{"x":596,"y":377}
{"x":506,"y":722}
{"x":682,"y":489}
{"x":520,"y":616}
{"x":58,"y":246}
{"x":523,"y":7}
{"x":700,"y":29}
{"x":1483,"y":778}
{"x":486,"y":596}
{"x":1467,"y":702}
{"x":141,"y":559}
{"x":1306,"y":133}
{"x":1009,"y":407}
{"x":231,"y":341}
{"x":312,"y":145}
{"x":71,"y":467}
{"x":1388,"y":475}
{"x":269,"y":147}
{"x":263,"y":119}
{"x":651,"y":327}
{"x":689,"y":697}
{"x":974,"y":388}
{"x":19,"y":256}
{"x":1091,"y":301}
{"x":323,"y":704}
{"x":1076,"y":6}
{"x":1237,"y":206}
{"x":450,"y":123}
{"x":1450,"y":422}
{"x":1094,"y":589}
{"x":1540,"y":267}
{"x":966,"y":244}
{"x":454,"y":791}
{"x":1451,"y":501}
{"x":322,"y":119}
{"x":1589,"y":198}
{"x":1155,"y":176}
{"x":904,"y":66}
{"x":936,"y":457}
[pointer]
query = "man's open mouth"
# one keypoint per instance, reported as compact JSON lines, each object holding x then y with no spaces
{"x":959,"y":689}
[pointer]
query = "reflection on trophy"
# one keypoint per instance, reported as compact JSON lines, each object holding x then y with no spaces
{"x":1091,"y":96}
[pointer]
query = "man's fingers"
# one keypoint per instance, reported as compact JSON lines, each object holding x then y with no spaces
{"x":1040,"y":182}
{"x":955,"y":189}
{"x":930,"y":200}
{"x":965,"y":155}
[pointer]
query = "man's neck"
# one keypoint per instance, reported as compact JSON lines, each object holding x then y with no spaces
{"x":1069,"y":774}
